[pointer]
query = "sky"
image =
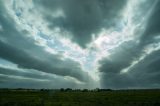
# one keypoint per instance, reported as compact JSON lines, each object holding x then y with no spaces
{"x":80,"y":44}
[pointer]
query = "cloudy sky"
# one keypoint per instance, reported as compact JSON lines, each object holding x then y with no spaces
{"x":80,"y":44}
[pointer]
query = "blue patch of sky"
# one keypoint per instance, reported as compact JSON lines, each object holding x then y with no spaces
{"x":18,"y":11}
{"x":53,"y":42}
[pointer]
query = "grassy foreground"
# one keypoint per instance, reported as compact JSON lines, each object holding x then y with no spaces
{"x":79,"y":98}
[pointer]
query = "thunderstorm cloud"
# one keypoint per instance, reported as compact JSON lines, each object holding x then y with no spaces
{"x":80,"y":44}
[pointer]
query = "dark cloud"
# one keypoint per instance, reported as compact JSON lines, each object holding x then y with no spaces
{"x":110,"y":69}
{"x":82,"y":17}
{"x":20,"y":49}
{"x":7,"y":81}
{"x":146,"y":72}
{"x":142,"y":75}
{"x":22,"y":73}
{"x":14,"y":78}
{"x":121,"y":57}
{"x":49,"y":63}
{"x":153,"y":26}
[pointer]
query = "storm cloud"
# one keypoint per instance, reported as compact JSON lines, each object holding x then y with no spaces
{"x":82,"y":18}
{"x":135,"y":65}
{"x":20,"y":49}
{"x":79,"y":44}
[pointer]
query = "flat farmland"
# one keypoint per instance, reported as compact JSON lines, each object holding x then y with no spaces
{"x":79,"y":98}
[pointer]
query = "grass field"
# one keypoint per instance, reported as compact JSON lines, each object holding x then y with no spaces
{"x":79,"y":98}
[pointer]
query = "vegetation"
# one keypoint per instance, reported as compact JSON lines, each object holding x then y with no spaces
{"x":69,"y":97}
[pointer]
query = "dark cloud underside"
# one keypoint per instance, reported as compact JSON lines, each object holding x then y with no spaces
{"x":145,"y":73}
{"x":16,"y":47}
{"x":82,"y":17}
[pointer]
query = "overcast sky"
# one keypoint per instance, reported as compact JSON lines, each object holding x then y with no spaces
{"x":80,"y":44}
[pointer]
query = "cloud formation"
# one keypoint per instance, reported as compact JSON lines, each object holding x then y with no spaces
{"x":17,"y":47}
{"x":81,"y":18}
{"x":134,"y":65}
{"x":79,"y":43}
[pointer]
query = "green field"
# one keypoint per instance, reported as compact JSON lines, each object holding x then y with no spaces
{"x":79,"y":98}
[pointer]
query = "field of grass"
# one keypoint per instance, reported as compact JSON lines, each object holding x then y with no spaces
{"x":79,"y":98}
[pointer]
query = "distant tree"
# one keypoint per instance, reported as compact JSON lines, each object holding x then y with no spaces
{"x":68,"y":89}
{"x":108,"y":89}
{"x":62,"y":89}
{"x":105,"y":90}
{"x":85,"y":90}
{"x":42,"y":90}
